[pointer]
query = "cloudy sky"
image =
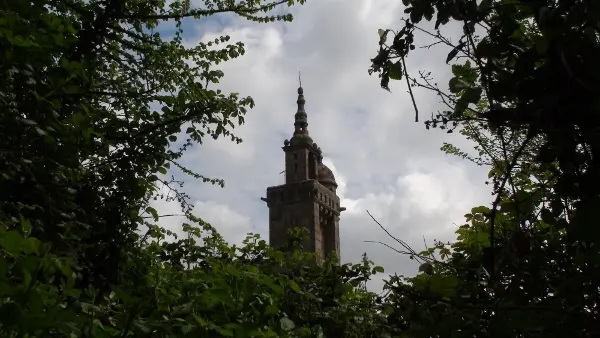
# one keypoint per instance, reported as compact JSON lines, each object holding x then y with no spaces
{"x":384,"y":162}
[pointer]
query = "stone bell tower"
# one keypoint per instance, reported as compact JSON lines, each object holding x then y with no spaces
{"x":308,"y":198}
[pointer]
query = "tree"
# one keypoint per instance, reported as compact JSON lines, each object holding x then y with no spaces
{"x":97,"y":107}
{"x":85,"y":149}
{"x":526,"y":96}
{"x":534,"y":67}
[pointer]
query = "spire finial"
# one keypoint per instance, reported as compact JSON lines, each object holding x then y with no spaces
{"x":301,"y":123}
{"x":300,"y":90}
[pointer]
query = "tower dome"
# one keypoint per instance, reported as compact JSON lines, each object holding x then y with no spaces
{"x":325,"y":177}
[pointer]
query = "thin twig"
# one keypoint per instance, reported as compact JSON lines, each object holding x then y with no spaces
{"x":412,"y":97}
{"x":406,"y":246}
{"x":417,"y":257}
{"x":168,"y":215}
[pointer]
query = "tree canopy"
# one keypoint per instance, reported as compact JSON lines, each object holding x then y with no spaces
{"x":97,"y":105}
{"x":524,"y":89}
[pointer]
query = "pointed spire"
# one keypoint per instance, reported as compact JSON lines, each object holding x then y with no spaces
{"x":301,"y":123}
{"x":301,"y":118}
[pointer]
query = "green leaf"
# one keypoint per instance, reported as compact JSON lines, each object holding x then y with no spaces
{"x":142,"y":325}
{"x":547,"y":216}
{"x":426,"y":268}
{"x":200,"y":320}
{"x":224,"y":331}
{"x":40,"y":131}
{"x":271,"y":310}
{"x":485,"y":5}
{"x":286,"y":324}
{"x":481,"y":210}
{"x":11,"y":242}
{"x":460,"y":107}
{"x":21,"y":42}
{"x":31,"y":245}
{"x":29,"y":122}
{"x":482,"y":239}
{"x":472,"y":95}
{"x":456,"y":85}
{"x":444,"y":286}
{"x":70,"y":90}
{"x":524,"y":202}
{"x":26,"y":279}
{"x":557,"y":207}
{"x":454,"y":52}
{"x":294,"y":286}
{"x":25,"y":225}
{"x":396,"y":71}
{"x":152,"y":212}
{"x":383,"y":35}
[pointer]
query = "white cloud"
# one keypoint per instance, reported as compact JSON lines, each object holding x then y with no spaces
{"x":238,"y":226}
{"x":382,"y":160}
{"x":221,"y":215}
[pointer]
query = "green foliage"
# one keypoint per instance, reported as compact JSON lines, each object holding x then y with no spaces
{"x":526,"y":265}
{"x":97,"y":110}
{"x":252,"y":291}
{"x":533,"y":64}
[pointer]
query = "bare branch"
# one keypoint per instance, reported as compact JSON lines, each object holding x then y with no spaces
{"x":412,"y":97}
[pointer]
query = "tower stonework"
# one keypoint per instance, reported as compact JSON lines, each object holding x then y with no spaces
{"x":308,"y":198}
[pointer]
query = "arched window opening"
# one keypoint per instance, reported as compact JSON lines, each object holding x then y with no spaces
{"x":312,"y":167}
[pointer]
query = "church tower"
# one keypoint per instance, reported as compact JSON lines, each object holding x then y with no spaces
{"x":308,"y":198}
